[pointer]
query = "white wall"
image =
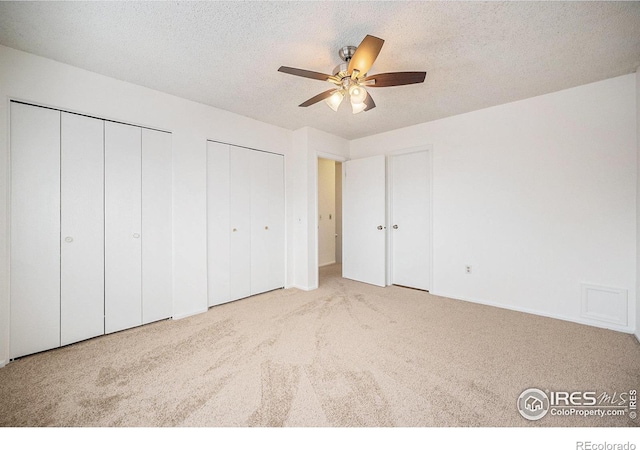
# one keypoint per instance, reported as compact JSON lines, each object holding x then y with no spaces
{"x":41,"y":81}
{"x":326,"y":211}
{"x":538,"y":196}
{"x":297,"y":175}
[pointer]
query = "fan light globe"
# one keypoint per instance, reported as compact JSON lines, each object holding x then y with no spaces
{"x":358,"y":107}
{"x":357,"y":93}
{"x":335,"y":99}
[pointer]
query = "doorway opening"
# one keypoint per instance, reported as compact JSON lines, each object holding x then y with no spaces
{"x":329,"y":218}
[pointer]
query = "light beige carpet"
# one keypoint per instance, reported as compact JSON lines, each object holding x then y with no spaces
{"x":347,"y":354}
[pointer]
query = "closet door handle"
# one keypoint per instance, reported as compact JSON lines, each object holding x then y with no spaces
{"x":266,"y":227}
{"x":395,"y":227}
{"x":380,"y":227}
{"x":68,"y":239}
{"x":136,"y":235}
{"x":234,"y":230}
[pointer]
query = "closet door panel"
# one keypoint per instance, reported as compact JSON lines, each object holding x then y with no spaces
{"x":218,"y":229}
{"x":260,"y":221}
{"x":35,"y":229}
{"x":82,"y":228}
{"x":240,"y":223}
{"x":156,"y":232}
{"x":276,"y":239}
{"x":123,"y":272}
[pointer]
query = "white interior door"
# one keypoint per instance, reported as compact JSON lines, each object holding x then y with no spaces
{"x":218,"y":228}
{"x":240,"y":223}
{"x":35,"y":229}
{"x":260,"y":195}
{"x":156,"y":231}
{"x":410,"y":212}
{"x":363,"y":220}
{"x":123,"y":211}
{"x":82,"y":228}
{"x":275,"y":233}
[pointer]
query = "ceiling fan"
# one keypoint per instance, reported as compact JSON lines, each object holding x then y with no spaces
{"x":350,"y":77}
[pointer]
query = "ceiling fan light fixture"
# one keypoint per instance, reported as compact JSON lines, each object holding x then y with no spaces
{"x":358,"y":107}
{"x":352,"y":76}
{"x":335,"y":99}
{"x":357,"y":93}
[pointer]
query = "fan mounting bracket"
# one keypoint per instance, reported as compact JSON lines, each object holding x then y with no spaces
{"x":347,"y":52}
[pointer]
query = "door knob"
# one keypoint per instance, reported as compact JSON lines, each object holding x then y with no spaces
{"x":266,"y":228}
{"x":379,"y":227}
{"x":68,"y":239}
{"x":395,"y":227}
{"x":234,"y":230}
{"x":136,"y":235}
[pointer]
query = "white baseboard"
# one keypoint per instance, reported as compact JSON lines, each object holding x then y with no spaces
{"x":581,"y":321}
{"x":637,"y":335}
{"x":304,"y":288}
{"x":2,"y":363}
{"x":182,"y":316}
{"x":326,"y":264}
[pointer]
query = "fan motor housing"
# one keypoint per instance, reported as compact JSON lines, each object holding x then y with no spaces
{"x":345,"y":53}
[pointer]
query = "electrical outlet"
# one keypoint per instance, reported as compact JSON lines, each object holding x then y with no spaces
{"x":467,"y":269}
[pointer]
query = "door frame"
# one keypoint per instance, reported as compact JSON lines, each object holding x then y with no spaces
{"x":422,"y":148}
{"x":314,"y":245}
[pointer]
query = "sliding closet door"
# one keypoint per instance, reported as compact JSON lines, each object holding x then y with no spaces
{"x":410,"y":210}
{"x":276,"y":241}
{"x":240,"y":223}
{"x":35,"y":229}
{"x":218,"y":229}
{"x":363,"y":220}
{"x":123,"y":272}
{"x":260,"y":221}
{"x":156,"y":226}
{"x":82,"y":229}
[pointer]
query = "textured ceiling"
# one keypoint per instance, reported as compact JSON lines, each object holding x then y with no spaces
{"x":226,"y":54}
